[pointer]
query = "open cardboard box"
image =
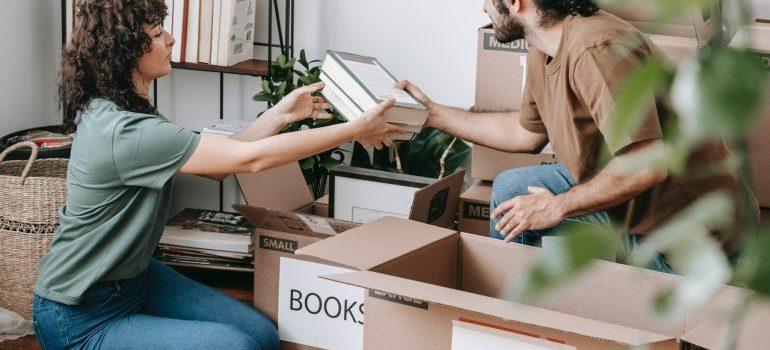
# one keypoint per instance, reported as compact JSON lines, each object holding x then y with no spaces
{"x":606,"y":308}
{"x":285,"y":219}
{"x":312,"y":312}
{"x":700,"y":25}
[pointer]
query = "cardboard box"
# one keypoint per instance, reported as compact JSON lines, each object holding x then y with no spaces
{"x":700,"y":25}
{"x":322,"y":206}
{"x":713,"y":334}
{"x":363,"y":195}
{"x":280,"y":207}
{"x":500,"y":72}
{"x":607,"y":308}
{"x":487,"y":163}
{"x":316,"y":313}
{"x":473,"y":216}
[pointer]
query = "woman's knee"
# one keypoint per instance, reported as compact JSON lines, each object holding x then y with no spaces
{"x":233,"y":338}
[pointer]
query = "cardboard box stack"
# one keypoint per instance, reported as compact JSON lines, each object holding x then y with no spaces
{"x":451,"y":290}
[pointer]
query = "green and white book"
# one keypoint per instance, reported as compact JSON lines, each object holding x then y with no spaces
{"x":356,"y":83}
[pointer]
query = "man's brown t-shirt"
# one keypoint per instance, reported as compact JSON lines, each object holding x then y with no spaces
{"x":571,"y":98}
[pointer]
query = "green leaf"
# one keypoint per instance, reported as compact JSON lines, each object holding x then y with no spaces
{"x":329,"y":163}
{"x":689,"y":248}
{"x":262,"y":96}
{"x":636,"y":99}
{"x":281,"y":61}
{"x":577,"y":247}
{"x":266,"y":86}
{"x":753,"y":271}
{"x":303,"y":59}
{"x":719,"y":96}
{"x":308,"y":163}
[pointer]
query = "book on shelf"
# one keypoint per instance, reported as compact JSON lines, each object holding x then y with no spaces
{"x":204,"y":36}
{"x":193,"y":28}
{"x":214,"y":32}
{"x":236,"y":33}
{"x":209,"y":230}
{"x":355,"y":83}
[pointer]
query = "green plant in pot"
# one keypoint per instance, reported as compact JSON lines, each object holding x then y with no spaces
{"x":421,"y":156}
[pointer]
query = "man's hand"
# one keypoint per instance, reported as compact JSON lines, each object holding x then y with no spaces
{"x":300,"y":104}
{"x":538,"y":210}
{"x":433,"y":107}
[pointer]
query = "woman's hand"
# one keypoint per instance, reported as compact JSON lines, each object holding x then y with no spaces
{"x":373,"y":130}
{"x":300,"y":104}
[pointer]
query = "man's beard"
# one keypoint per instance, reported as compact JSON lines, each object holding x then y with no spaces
{"x":508,"y":30}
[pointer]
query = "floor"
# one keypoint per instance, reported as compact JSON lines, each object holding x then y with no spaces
{"x":236,"y":284}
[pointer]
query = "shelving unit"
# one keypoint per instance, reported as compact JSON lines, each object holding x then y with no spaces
{"x":253,"y":67}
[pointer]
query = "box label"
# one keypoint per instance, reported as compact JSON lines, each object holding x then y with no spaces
{"x":476,"y":211}
{"x":399,"y":299}
{"x":317,"y":312}
{"x":490,"y":43}
{"x":278,"y":244}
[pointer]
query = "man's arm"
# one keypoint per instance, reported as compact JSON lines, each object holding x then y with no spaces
{"x":612,"y":186}
{"x":501,"y":131}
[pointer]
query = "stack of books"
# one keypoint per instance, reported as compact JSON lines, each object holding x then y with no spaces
{"x":210,"y":239}
{"x":214,"y":32}
{"x":356,"y":83}
{"x":225,"y":127}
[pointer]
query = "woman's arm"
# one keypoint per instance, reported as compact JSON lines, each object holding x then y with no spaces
{"x":216,"y":155}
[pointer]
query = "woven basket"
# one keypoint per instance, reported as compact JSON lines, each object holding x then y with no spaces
{"x":31,"y":193}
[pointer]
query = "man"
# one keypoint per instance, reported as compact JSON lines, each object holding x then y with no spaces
{"x":578,"y":58}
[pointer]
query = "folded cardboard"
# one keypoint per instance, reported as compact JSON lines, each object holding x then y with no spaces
{"x":759,"y":142}
{"x":317,"y":313}
{"x":322,"y":206}
{"x":713,"y":335}
{"x":363,"y":195}
{"x":473,"y":215}
{"x":607,"y":308}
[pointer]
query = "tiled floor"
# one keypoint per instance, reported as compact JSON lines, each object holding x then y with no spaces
{"x":236,"y":284}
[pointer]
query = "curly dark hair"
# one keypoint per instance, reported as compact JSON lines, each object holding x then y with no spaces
{"x":108,"y":39}
{"x":556,"y":10}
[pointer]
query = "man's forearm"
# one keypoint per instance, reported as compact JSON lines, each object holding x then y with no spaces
{"x":268,"y":124}
{"x":500,"y":131}
{"x":611,"y":187}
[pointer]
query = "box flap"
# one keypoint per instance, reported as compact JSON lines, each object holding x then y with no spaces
{"x":296,"y":223}
{"x":752,"y":333}
{"x":376,"y":243}
{"x":499,"y":308}
{"x":437,"y":203}
{"x":283,"y":188}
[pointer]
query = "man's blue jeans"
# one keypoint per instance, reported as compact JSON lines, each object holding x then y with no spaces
{"x":159,"y":309}
{"x":555,"y":178}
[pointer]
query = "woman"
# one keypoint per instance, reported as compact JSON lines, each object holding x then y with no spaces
{"x":99,"y":287}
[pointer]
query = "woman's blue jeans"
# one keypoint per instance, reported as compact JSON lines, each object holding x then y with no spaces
{"x":555,"y":178}
{"x":159,"y":309}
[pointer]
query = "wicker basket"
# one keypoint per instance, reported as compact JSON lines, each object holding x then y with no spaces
{"x":31,"y":193}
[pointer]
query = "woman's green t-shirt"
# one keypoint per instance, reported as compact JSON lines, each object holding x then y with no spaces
{"x":119,"y":186}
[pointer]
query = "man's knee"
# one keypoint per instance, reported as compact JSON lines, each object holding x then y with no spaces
{"x":514,"y":182}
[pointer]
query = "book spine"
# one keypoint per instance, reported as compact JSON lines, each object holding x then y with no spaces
{"x":215,"y":26}
{"x":193,"y":28}
{"x":185,"y":23}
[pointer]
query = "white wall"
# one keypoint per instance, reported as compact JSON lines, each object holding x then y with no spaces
{"x":30,"y":43}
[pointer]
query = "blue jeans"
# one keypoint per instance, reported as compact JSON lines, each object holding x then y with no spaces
{"x":159,"y":309}
{"x":555,"y":178}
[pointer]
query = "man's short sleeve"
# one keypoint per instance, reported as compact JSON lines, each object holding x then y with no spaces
{"x":598,"y":75}
{"x":529,"y":116}
{"x":149,"y":150}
